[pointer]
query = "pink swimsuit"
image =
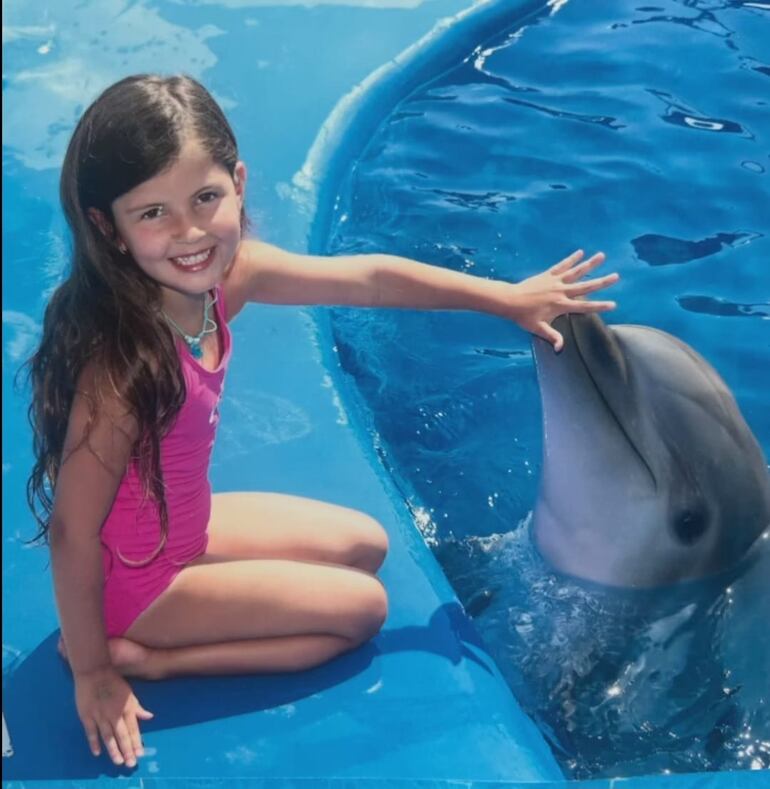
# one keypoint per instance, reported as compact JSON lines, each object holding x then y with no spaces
{"x":132,"y":529}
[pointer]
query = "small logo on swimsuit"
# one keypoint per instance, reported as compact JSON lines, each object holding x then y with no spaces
{"x":214,"y":415}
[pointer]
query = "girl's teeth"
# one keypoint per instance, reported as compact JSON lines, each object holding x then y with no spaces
{"x":192,"y":260}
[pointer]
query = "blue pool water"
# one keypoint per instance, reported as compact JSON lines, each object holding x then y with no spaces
{"x":642,"y":130}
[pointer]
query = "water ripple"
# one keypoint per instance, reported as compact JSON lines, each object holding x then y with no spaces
{"x":600,"y":120}
{"x":708,"y":305}
{"x":665,"y":251}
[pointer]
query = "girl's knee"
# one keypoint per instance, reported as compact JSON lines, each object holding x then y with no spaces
{"x":370,"y":546}
{"x":372,"y":613}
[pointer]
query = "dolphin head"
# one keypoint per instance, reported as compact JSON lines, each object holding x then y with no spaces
{"x":651,"y":476}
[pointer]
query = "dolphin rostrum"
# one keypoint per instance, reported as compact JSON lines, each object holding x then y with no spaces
{"x":651,"y":475}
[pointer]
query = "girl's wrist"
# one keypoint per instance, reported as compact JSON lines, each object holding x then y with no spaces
{"x":501,"y":298}
{"x":92,"y":672}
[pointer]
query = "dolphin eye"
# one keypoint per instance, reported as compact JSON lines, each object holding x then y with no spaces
{"x":690,"y":525}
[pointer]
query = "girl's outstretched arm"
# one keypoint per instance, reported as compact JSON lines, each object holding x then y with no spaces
{"x":88,"y":479}
{"x":268,"y":274}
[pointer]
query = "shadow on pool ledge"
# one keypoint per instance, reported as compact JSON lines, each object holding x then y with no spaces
{"x":38,"y":695}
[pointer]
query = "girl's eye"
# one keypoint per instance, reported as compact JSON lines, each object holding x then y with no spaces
{"x":153,"y":213}
{"x":207,"y":197}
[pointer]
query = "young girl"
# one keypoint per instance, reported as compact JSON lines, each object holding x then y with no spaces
{"x":154,"y":576}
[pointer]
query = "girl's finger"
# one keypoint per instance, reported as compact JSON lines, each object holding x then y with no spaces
{"x":593,"y":306}
{"x":133,"y":733}
{"x":573,"y":275}
{"x":547,"y":332}
{"x":584,"y":288}
{"x":92,"y":735}
{"x":110,"y":743}
{"x":144,"y":714}
{"x":124,"y":743}
{"x":567,"y":263}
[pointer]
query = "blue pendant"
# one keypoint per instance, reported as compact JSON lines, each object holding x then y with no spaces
{"x":196,"y":350}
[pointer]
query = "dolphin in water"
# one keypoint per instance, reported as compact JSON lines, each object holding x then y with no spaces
{"x":651,"y":475}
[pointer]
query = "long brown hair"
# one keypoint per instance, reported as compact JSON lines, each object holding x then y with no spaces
{"x":107,"y":312}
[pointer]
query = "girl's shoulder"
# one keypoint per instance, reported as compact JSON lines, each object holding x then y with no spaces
{"x":242,"y":281}
{"x":97,"y":410}
{"x":93,"y":384}
{"x":234,"y":286}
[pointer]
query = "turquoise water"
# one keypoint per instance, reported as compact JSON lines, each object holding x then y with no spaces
{"x":643,"y":131}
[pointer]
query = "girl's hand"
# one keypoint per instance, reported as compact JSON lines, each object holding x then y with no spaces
{"x":108,"y":709}
{"x":542,"y":298}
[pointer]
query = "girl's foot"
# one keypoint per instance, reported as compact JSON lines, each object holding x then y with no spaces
{"x":130,"y":658}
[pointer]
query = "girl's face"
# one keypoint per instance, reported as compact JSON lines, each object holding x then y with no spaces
{"x":182,"y":227}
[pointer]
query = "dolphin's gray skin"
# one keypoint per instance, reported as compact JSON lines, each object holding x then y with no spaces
{"x":650,"y":476}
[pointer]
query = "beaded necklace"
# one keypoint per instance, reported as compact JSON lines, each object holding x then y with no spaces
{"x":194,"y":341}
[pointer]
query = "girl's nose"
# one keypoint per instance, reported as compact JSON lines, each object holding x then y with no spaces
{"x":187,"y":230}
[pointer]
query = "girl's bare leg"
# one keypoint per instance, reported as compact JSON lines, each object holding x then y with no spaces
{"x":267,"y":655}
{"x":248,"y":616}
{"x":246,"y":531}
{"x":257,"y":525}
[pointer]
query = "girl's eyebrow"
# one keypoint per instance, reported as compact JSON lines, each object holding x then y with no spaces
{"x":160,"y":202}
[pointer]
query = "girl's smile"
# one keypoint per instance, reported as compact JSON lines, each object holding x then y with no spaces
{"x":197,"y":261}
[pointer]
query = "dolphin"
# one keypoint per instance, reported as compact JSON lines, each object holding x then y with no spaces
{"x":650,"y":476}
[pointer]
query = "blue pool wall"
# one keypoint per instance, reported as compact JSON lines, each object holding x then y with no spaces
{"x":423,"y":705}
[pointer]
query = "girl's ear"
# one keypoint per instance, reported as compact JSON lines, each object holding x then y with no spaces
{"x":239,"y":179}
{"x":106,"y":228}
{"x":101,"y":221}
